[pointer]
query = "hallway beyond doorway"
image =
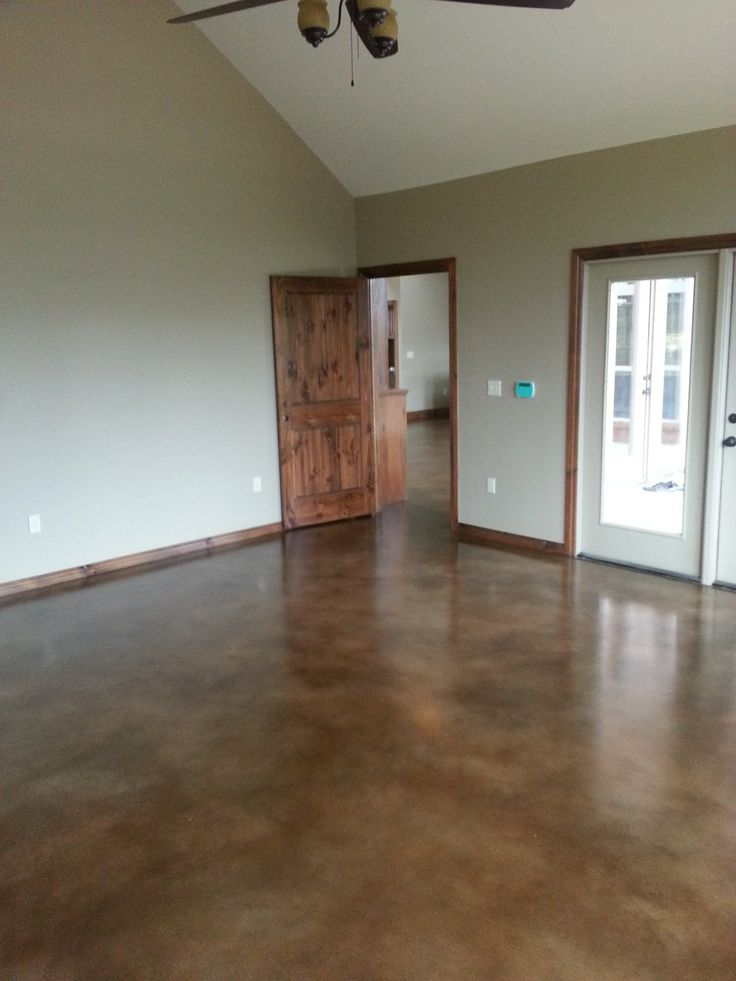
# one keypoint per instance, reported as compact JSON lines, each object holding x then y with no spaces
{"x":428,"y":466}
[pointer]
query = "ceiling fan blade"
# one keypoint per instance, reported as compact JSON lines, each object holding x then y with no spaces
{"x":223,"y":8}
{"x":539,"y":4}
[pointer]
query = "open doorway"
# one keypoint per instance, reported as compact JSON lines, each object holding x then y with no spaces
{"x":417,"y":360}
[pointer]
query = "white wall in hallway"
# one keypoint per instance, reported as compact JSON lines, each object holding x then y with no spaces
{"x":424,"y":330}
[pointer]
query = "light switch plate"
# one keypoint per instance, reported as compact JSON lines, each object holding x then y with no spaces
{"x":410,"y":355}
{"x":494,"y":387}
{"x":34,"y":524}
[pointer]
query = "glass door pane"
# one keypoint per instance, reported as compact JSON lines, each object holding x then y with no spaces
{"x":647,"y":385}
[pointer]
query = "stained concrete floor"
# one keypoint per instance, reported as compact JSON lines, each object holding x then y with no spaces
{"x":368,"y":752}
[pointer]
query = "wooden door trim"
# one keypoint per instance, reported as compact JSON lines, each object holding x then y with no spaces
{"x":579,"y":258}
{"x":393,"y":319}
{"x":421,"y":268}
{"x":85,"y":575}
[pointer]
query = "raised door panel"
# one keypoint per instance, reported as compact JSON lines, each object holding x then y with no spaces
{"x":322,"y":332}
{"x":324,"y":460}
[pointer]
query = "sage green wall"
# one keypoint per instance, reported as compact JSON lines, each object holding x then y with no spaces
{"x":148,"y":192}
{"x":512,"y":232}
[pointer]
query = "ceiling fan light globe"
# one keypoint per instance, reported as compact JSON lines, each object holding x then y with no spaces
{"x":386,"y":34}
{"x":313,"y":20}
{"x":374,"y":11}
{"x":315,"y":35}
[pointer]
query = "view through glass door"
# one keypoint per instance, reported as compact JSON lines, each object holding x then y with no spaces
{"x":648,"y":349}
{"x":649,"y":344}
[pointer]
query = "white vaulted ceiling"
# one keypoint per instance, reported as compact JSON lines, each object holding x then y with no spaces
{"x":475,"y":88}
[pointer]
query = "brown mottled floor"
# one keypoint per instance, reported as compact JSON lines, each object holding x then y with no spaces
{"x":369,"y":752}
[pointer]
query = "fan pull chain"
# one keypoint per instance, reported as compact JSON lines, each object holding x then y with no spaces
{"x":352,"y":67}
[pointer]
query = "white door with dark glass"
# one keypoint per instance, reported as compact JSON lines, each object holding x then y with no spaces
{"x":647,"y":361}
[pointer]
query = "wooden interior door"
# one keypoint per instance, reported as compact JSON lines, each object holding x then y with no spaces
{"x":324,"y":393}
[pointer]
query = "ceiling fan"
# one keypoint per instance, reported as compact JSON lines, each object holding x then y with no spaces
{"x":374,"y":20}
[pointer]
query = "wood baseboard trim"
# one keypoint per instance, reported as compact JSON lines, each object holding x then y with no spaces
{"x":421,"y":414}
{"x":83,"y":575}
{"x":503,"y":539}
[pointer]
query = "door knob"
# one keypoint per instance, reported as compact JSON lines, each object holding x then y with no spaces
{"x":731,"y":441}
{"x":285,"y":417}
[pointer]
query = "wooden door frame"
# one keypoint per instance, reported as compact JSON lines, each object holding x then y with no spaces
{"x":579,"y":259}
{"x":422,"y":268}
{"x":393,"y":310}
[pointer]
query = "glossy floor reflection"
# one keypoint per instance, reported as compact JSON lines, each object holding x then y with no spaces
{"x":368,"y":752}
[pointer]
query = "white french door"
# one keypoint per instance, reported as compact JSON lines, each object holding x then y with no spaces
{"x":726,"y":566}
{"x":646,"y":369}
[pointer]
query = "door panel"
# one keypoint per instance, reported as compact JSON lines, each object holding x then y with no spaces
{"x":647,"y":361}
{"x":324,"y":392}
{"x":320,"y":333}
{"x":727,"y":535}
{"x":325,"y":458}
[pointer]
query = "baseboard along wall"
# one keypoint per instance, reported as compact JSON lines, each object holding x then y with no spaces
{"x":85,"y":574}
{"x":420,"y":414}
{"x":502,"y":539}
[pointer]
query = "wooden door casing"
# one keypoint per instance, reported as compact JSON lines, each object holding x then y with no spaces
{"x":324,"y":394}
{"x":391,"y":482}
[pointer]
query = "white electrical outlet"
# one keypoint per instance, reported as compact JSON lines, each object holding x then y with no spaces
{"x":410,"y":355}
{"x":257,"y":485}
{"x":494,"y":387}
{"x":491,"y":485}
{"x":34,"y":524}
